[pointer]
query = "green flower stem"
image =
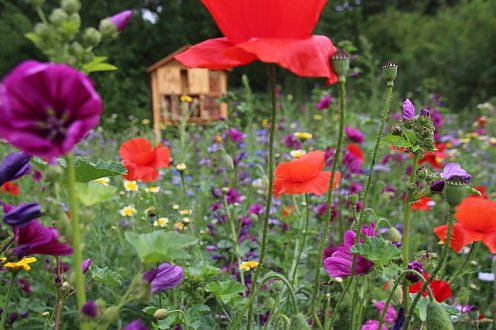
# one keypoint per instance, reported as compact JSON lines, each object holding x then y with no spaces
{"x":234,"y":237}
{"x":388,"y":300}
{"x":76,"y":236}
{"x":272,"y":312}
{"x":327,"y":219}
{"x":473,"y":251}
{"x":185,"y":190}
{"x":268,"y":202}
{"x":7,"y":300}
{"x":239,"y":316}
{"x":5,"y":247}
{"x":307,"y":216}
{"x":444,"y":257}
{"x":406,"y":227}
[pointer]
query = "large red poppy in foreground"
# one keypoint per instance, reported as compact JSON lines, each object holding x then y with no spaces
{"x":142,"y":160}
{"x":304,"y":175}
{"x":475,"y":221}
{"x":272,"y":31}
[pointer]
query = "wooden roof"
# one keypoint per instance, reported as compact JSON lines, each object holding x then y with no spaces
{"x":166,"y":59}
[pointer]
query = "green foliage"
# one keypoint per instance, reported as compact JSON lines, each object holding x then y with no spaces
{"x":377,"y":250}
{"x":106,"y":275}
{"x":227,"y":292}
{"x":92,"y":192}
{"x":159,"y":246}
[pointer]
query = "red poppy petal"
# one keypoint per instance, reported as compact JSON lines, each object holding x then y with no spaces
{"x":146,"y":173}
{"x":305,"y":57}
{"x":440,"y":290}
{"x":277,"y":186}
{"x":162,"y":157}
{"x":302,"y":169}
{"x":318,"y":185}
{"x":477,"y":214}
{"x":136,"y":150}
{"x":242,"y":20}
{"x":460,"y":237}
{"x":210,"y":54}
{"x":489,"y":240}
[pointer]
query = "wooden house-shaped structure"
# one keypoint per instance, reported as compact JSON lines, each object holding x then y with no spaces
{"x":177,"y":90}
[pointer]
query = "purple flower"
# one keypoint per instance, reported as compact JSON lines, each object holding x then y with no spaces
{"x":164,"y":277}
{"x":324,"y":102}
{"x":408,"y":110}
{"x":13,"y":166}
{"x":47,"y":108}
{"x":390,"y":315}
{"x":215,"y":206}
{"x":121,"y":19}
{"x":437,"y":119}
{"x":415,"y":265}
{"x":85,"y":265}
{"x":290,"y":141}
{"x":453,"y":172}
{"x":354,"y":134}
{"x":329,"y":156}
{"x":437,"y":186}
{"x":233,"y":196}
{"x":425,"y":112}
{"x":89,"y":309}
{"x":216,"y":192}
{"x":400,"y":321}
{"x":38,"y":239}
{"x":339,"y":264}
{"x":372,"y":325}
{"x":255,"y":209}
{"x":22,"y":215}
{"x":135,"y":325}
{"x":235,"y":135}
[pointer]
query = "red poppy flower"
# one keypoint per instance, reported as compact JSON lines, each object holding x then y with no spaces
{"x":476,"y":221}
{"x":275,"y":31}
{"x":142,"y":160}
{"x":304,"y":175}
{"x":435,"y":158}
{"x":355,"y":150}
{"x":425,"y":204}
{"x":440,"y":289}
{"x":10,"y":187}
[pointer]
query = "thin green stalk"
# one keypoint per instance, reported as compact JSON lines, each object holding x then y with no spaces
{"x":234,"y":238}
{"x":5,"y":310}
{"x":473,"y":251}
{"x":353,"y":305}
{"x":327,"y":219}
{"x":76,"y":236}
{"x":405,"y":244}
{"x":7,"y":245}
{"x":272,"y":312}
{"x":295,"y":271}
{"x":268,"y":202}
{"x":444,"y":257}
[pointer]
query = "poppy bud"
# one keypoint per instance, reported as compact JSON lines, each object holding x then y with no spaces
{"x":91,"y":37}
{"x":437,"y":317}
{"x":390,"y":70}
{"x":265,"y":183}
{"x":228,"y":161}
{"x":111,"y":313}
{"x":71,"y":6}
{"x":396,"y":130}
{"x":340,"y":62}
{"x":353,"y":198}
{"x":298,"y":322}
{"x":58,"y":17}
{"x":269,"y":303}
{"x":278,"y":286}
{"x":53,"y":173}
{"x":397,"y":295}
{"x":161,"y":314}
{"x":394,"y":234}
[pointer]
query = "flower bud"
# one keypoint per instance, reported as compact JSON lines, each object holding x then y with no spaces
{"x":394,"y":234}
{"x":425,"y":113}
{"x":181,"y":167}
{"x":353,"y":198}
{"x":265,"y":183}
{"x":76,"y":49}
{"x":437,"y":186}
{"x":58,"y":17}
{"x":396,"y":130}
{"x":299,"y":322}
{"x":71,"y":6}
{"x":269,"y":303}
{"x":107,"y":29}
{"x":437,"y":317}
{"x":228,"y":162}
{"x":110,"y":313}
{"x":397,"y":295}
{"x":340,"y":62}
{"x":91,"y":37}
{"x":42,"y":30}
{"x":390,"y":70}
{"x":277,"y":285}
{"x":54,"y":173}
{"x":161,"y":314}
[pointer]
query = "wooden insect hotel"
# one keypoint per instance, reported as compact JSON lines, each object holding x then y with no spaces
{"x":180,"y":93}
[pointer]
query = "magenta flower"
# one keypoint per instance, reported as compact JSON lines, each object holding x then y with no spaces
{"x":13,"y":166}
{"x":232,"y":196}
{"x":38,"y":239}
{"x":372,"y":325}
{"x":85,"y":265}
{"x":354,"y":134}
{"x":164,"y":277}
{"x":339,"y":264}
{"x":89,"y":309}
{"x":121,"y":19}
{"x":235,"y":135}
{"x":390,"y":315}
{"x":136,"y":325}
{"x":324,"y":102}
{"x":47,"y":108}
{"x":408,"y":110}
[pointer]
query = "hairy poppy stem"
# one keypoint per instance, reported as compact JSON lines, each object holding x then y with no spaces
{"x":268,"y":203}
{"x":327,"y":219}
{"x":307,"y":216}
{"x":7,"y":300}
{"x":444,"y":257}
{"x":76,"y":236}
{"x":473,"y":251}
{"x":405,"y":243}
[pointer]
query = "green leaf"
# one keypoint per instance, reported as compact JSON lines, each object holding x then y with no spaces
{"x":98,"y":64}
{"x":410,"y":136}
{"x":473,"y":191}
{"x":421,"y":307}
{"x":390,"y":272}
{"x":159,"y":246}
{"x":150,"y":310}
{"x":377,"y":250}
{"x":92,"y":192}
{"x":226,"y":291}
{"x":450,"y":309}
{"x":106,"y":275}
{"x":194,"y":315}
{"x":33,"y":37}
{"x":397,"y":141}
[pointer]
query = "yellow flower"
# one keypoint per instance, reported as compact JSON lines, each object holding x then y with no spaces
{"x":145,"y":121}
{"x":130,"y":185}
{"x":105,"y":181}
{"x":179,"y":225}
{"x":181,"y":167}
{"x":265,"y":123}
{"x":186,"y":220}
{"x":492,"y":140}
{"x":186,"y":98}
{"x":16,"y":266}
{"x":185,"y":212}
{"x":471,"y":135}
{"x":317,"y":117}
{"x":465,"y":140}
{"x":161,"y":222}
{"x":290,"y":97}
{"x":297,"y":153}
{"x":152,"y":189}
{"x":218,"y":138}
{"x":247,"y":265}
{"x":303,"y":135}
{"x":128,"y":211}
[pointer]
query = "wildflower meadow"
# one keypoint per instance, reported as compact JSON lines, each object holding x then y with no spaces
{"x":327,"y":198}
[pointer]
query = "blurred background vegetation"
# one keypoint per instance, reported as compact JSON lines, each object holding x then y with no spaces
{"x":446,"y":46}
